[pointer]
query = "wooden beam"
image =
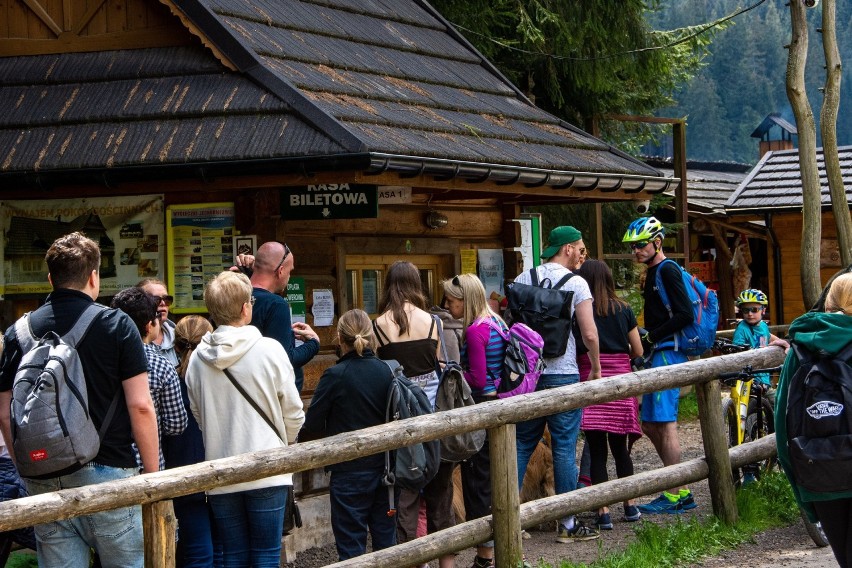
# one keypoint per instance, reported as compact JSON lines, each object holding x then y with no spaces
{"x":505,"y":498}
{"x":42,"y":15}
{"x":87,"y":17}
{"x":159,"y":525}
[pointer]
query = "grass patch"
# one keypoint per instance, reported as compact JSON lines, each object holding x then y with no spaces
{"x":763,"y":505}
{"x":22,"y":560}
{"x":687,"y":410}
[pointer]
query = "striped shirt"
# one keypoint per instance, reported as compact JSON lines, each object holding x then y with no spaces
{"x":482,"y":354}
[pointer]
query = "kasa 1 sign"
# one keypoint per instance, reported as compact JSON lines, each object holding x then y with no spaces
{"x":329,"y":201}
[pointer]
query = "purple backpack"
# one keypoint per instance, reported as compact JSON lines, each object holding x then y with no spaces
{"x":523,"y":362}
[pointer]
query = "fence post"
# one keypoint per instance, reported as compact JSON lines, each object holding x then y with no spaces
{"x":722,"y":493}
{"x":159,"y":523}
{"x":505,"y":497}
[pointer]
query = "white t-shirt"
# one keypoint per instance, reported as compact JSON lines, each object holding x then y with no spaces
{"x":567,"y":363}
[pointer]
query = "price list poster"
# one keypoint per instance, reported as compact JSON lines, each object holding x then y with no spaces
{"x":200,"y":238}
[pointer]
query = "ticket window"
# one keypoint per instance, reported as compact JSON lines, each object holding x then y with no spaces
{"x":365,"y":277}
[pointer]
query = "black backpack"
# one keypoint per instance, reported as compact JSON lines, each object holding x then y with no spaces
{"x":417,"y":464}
{"x":545,"y":308}
{"x":819,"y":420}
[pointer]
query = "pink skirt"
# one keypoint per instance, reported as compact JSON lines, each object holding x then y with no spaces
{"x":618,"y":416}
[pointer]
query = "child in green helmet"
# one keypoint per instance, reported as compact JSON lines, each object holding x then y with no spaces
{"x":753,"y":331}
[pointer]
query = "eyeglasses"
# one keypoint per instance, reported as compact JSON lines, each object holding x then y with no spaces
{"x":582,"y":251}
{"x":167,"y":300}
{"x":751,"y":310}
{"x":639,"y":245}
{"x":251,"y":301}
{"x":283,"y":258}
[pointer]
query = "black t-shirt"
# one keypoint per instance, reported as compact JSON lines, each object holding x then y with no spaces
{"x":110,"y":353}
{"x":657,"y":319}
{"x":613,"y":329}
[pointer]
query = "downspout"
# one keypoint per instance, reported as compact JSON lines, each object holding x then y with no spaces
{"x":776,"y":257}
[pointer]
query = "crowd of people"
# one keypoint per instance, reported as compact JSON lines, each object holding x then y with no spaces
{"x":204,"y":389}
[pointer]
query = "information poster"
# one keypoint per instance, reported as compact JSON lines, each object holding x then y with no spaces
{"x":323,"y":308}
{"x":201,"y":245}
{"x":129,"y":231}
{"x":491,"y":272}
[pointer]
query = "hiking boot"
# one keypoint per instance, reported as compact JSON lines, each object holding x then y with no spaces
{"x":662,"y":505}
{"x":632,"y":513}
{"x":686,"y":503}
{"x":604,"y":522}
{"x":579,"y":532}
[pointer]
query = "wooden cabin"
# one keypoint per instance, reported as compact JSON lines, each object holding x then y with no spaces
{"x":357,"y":133}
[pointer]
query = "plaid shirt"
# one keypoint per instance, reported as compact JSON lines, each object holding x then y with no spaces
{"x":165,"y":391}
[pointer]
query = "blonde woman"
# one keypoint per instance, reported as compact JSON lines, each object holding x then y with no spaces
{"x":828,"y":332}
{"x":482,"y":353}
{"x":256,"y":408}
{"x":352,"y":395}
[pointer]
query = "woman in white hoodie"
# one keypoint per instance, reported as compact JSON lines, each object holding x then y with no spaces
{"x":249,"y":516}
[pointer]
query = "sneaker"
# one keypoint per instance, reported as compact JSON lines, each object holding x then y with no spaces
{"x":479,"y":562}
{"x":632,"y":513}
{"x":604,"y":522}
{"x":662,"y":505}
{"x":579,"y":532}
{"x":687,"y":503}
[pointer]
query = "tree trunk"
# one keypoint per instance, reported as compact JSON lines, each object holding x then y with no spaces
{"x":828,"y":128}
{"x":811,"y":199}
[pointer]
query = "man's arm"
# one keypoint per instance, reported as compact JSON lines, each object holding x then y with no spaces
{"x":586,"y":320}
{"x":143,"y":420}
{"x":6,"y":421}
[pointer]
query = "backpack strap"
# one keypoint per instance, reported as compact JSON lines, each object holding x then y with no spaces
{"x":76,"y":334}
{"x":437,"y":321}
{"x":563,"y":280}
{"x":26,"y":339}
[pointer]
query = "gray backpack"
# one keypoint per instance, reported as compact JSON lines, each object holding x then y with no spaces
{"x":52,"y":430}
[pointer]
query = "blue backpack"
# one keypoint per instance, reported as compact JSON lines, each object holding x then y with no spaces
{"x":697,"y":337}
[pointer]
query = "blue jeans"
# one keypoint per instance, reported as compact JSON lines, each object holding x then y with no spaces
{"x":564,"y":428}
{"x":195,"y":533}
{"x":116,"y":535}
{"x":359,"y":502}
{"x":249,"y":525}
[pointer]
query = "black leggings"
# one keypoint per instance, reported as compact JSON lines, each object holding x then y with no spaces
{"x":597,"y":442}
{"x":836,"y":519}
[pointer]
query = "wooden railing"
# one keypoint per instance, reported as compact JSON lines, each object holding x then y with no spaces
{"x":155,"y":489}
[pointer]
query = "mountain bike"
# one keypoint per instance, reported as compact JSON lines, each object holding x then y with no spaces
{"x":749,"y":415}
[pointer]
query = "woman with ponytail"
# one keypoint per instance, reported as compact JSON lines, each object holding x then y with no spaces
{"x":195,"y":543}
{"x":352,"y":395}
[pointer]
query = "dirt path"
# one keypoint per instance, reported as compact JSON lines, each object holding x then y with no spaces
{"x":789,"y":547}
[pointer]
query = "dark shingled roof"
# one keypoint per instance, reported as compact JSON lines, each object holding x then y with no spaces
{"x":709,"y":184}
{"x":384,"y":84}
{"x":775,"y":182}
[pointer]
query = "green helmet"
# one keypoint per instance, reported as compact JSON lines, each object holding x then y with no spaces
{"x":752,"y":296}
{"x":643,"y":229}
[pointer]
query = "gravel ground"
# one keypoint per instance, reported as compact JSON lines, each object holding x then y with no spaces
{"x":789,"y":547}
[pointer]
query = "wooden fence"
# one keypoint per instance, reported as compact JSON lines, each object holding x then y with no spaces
{"x":154,"y":490}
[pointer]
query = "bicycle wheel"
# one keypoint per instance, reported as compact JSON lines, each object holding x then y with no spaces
{"x":754,"y":431}
{"x":814,"y":531}
{"x":731,"y":420}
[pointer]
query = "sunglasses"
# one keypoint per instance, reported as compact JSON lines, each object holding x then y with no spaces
{"x":455,"y":281}
{"x":283,"y":258}
{"x":582,"y":251}
{"x":167,"y":300}
{"x":251,"y":301}
{"x":751,"y":310}
{"x":639,"y":245}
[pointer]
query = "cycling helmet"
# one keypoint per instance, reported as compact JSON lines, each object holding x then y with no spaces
{"x":752,"y":296}
{"x":643,"y":229}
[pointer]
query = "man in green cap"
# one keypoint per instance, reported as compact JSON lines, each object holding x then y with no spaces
{"x":564,"y":251}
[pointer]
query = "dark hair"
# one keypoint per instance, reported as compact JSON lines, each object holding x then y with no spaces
{"x":71,"y":259}
{"x":402,"y":284}
{"x":139,"y":305}
{"x":599,"y":277}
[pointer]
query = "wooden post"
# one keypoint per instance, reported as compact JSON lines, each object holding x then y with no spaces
{"x":505,"y":497}
{"x":722,"y":494}
{"x":159,"y":524}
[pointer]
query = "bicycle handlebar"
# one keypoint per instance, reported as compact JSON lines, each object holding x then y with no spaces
{"x":748,"y":372}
